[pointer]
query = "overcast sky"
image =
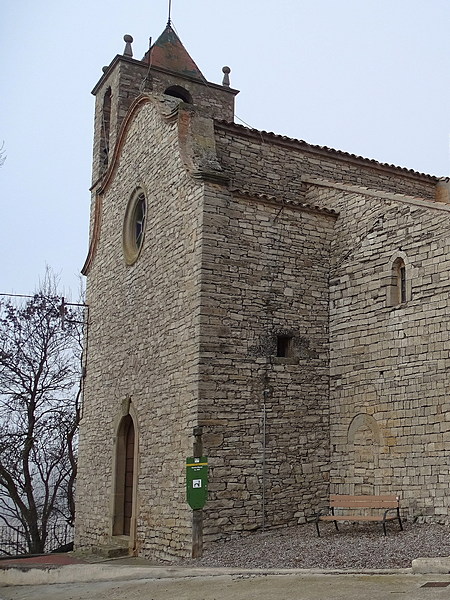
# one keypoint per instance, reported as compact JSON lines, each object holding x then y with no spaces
{"x":371,"y":77}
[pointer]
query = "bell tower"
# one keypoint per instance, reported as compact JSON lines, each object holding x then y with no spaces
{"x":154,"y":154}
{"x":165,"y":70}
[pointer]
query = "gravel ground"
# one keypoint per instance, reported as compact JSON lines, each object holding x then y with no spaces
{"x":354,"y":546}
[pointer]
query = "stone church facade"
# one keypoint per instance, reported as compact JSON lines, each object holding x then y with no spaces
{"x":288,"y":303}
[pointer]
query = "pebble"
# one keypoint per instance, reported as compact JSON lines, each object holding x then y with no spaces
{"x":355,"y":546}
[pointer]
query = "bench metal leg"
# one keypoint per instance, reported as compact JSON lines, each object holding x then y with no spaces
{"x":317,"y":527}
{"x":336,"y":525}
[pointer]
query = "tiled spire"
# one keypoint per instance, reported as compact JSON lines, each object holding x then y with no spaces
{"x":169,"y":53}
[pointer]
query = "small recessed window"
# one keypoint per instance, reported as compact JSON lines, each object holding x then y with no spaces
{"x":134,"y":226}
{"x":402,"y":283}
{"x":399,"y":293}
{"x":284,"y":346}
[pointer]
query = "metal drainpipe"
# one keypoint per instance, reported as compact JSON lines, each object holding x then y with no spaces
{"x":265,"y":393}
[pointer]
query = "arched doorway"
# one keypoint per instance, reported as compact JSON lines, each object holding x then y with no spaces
{"x":364,"y":442}
{"x":125,"y":477}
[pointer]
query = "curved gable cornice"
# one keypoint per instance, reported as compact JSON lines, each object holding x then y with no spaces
{"x":103,"y":184}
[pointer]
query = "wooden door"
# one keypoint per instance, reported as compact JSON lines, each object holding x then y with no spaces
{"x":129,"y":478}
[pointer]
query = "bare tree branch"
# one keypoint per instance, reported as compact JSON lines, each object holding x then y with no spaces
{"x":2,"y":154}
{"x":40,"y":392}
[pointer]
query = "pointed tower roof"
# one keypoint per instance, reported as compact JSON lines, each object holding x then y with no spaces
{"x":169,"y":53}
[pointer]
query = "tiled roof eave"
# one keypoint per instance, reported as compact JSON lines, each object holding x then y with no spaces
{"x":322,"y":150}
{"x":283,"y":201}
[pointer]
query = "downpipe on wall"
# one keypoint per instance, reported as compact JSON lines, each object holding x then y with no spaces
{"x":264,"y":425}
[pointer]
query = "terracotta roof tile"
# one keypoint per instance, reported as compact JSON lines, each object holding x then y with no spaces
{"x":169,"y":53}
{"x":283,"y":201}
{"x":316,"y":148}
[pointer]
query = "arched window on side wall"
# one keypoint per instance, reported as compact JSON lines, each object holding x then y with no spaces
{"x":400,"y":286}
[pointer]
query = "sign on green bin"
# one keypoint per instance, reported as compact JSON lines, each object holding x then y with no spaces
{"x":196,"y":481}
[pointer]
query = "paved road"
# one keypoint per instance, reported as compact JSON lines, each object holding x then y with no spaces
{"x":243,"y":587}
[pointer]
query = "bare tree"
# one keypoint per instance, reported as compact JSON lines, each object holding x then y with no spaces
{"x":40,"y":390}
{"x":2,"y":154}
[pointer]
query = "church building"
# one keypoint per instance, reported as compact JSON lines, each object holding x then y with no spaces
{"x":280,"y":306}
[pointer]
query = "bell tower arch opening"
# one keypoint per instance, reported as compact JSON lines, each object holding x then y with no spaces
{"x":176,"y":91}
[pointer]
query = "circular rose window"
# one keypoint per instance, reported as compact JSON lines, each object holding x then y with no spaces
{"x":134,"y":226}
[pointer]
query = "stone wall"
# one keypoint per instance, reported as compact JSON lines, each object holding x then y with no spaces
{"x":389,"y":407}
{"x":388,"y":410}
{"x":265,"y":418}
{"x":253,"y":241}
{"x":143,"y":344}
{"x":269,"y":164}
{"x":127,"y":79}
{"x":124,"y":79}
{"x":215,"y":101}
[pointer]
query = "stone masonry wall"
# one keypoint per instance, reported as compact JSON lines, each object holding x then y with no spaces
{"x":265,"y":418}
{"x":125,"y":82}
{"x":214,"y":100}
{"x":188,"y":334}
{"x":143,"y":344}
{"x":390,"y":411}
{"x":265,"y":163}
{"x":388,"y":363}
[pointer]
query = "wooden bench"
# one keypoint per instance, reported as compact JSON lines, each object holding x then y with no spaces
{"x":345,"y":508}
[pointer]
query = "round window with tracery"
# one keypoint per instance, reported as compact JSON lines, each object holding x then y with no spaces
{"x":134,"y":226}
